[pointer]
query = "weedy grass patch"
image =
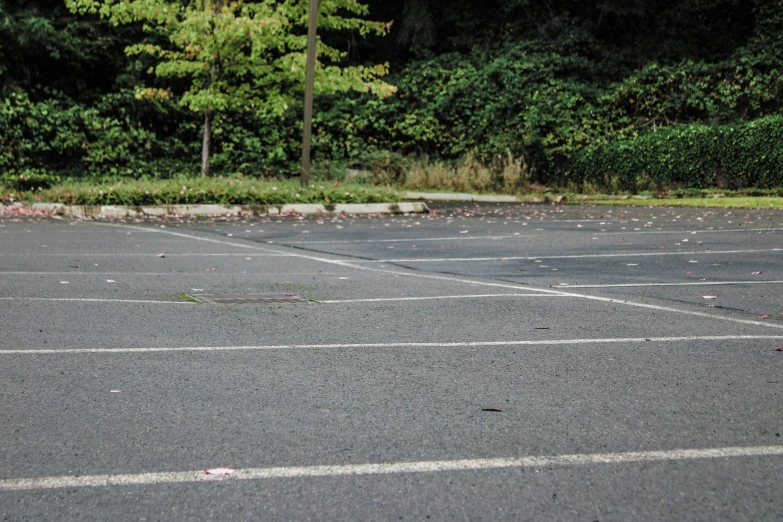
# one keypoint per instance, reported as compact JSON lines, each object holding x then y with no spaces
{"x":191,"y":191}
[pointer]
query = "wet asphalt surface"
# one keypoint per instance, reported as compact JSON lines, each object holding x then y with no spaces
{"x":585,"y":286}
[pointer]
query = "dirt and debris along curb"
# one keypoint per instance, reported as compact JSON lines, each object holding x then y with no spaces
{"x":60,"y":209}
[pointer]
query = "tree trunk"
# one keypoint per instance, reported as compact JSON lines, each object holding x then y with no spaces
{"x":206,"y":143}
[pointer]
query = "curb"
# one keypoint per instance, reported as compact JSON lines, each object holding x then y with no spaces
{"x":444,"y":196}
{"x":60,"y":209}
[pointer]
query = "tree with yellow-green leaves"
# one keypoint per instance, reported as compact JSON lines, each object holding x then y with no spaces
{"x":241,"y":55}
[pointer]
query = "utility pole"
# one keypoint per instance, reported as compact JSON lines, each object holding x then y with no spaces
{"x":309,"y":81}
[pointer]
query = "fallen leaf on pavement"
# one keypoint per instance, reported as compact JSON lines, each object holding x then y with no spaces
{"x":219,"y":471}
{"x":765,"y":316}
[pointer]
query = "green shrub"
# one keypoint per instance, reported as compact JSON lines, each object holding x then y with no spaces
{"x":29,"y":179}
{"x":694,"y":156}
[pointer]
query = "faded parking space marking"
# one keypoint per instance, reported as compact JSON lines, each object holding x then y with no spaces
{"x":388,"y":468}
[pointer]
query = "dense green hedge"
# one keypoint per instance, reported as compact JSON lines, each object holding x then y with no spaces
{"x":695,"y":156}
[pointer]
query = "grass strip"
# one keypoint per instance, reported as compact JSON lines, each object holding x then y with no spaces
{"x":230,"y":191}
{"x":724,"y":202}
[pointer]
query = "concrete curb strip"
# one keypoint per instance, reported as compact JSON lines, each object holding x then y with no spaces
{"x":232,"y":210}
{"x":445,"y":196}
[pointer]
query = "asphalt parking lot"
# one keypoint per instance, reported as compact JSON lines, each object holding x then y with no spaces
{"x":514,"y":362}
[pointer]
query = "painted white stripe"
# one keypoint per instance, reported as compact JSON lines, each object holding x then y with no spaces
{"x":406,"y":240}
{"x":696,"y":231}
{"x":93,"y":300}
{"x":700,"y":283}
{"x":466,"y":344}
{"x":574,"y":256}
{"x":432,"y":466}
{"x":498,"y":285}
{"x":136,"y":254}
{"x":382,"y":299}
{"x":234,"y":272}
{"x":592,"y":298}
{"x":497,"y":237}
{"x":197,"y":238}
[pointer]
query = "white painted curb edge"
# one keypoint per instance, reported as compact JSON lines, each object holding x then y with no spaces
{"x":231,"y":210}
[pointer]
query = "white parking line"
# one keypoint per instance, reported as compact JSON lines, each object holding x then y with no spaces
{"x":700,"y":283}
{"x":574,"y":256}
{"x":383,"y":299}
{"x":466,"y":344}
{"x":197,"y":238}
{"x":406,"y":240}
{"x":199,"y":273}
{"x":86,"y":300}
{"x":136,"y":254}
{"x":432,"y":466}
{"x":512,"y":236}
{"x":697,"y":231}
{"x":339,"y":262}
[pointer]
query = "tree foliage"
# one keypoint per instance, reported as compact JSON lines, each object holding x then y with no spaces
{"x":550,"y":81}
{"x":240,"y":56}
